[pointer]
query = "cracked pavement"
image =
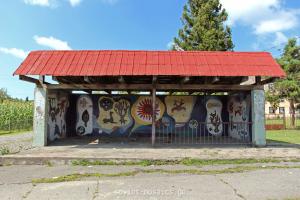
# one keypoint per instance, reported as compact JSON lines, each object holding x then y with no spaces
{"x":15,"y":183}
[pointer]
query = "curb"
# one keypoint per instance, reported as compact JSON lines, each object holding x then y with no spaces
{"x":10,"y":160}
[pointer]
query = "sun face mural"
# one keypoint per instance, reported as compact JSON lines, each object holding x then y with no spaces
{"x":84,"y":123}
{"x":239,"y":110}
{"x":180,"y":108}
{"x":142,"y":110}
{"x":114,"y":114}
{"x":213,"y":117}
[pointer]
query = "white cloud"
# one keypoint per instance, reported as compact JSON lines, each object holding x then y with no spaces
{"x":285,"y":21}
{"x":44,"y":3}
{"x":52,"y":42}
{"x":264,"y":16}
{"x":75,"y":2}
{"x":19,"y":53}
{"x":280,"y":39}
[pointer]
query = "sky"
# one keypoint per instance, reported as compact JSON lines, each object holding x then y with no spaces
{"x":27,"y":25}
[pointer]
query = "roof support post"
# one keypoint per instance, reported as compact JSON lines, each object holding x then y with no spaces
{"x":153,"y":109}
{"x":257,"y":80}
{"x":153,"y":114}
{"x":42,"y":79}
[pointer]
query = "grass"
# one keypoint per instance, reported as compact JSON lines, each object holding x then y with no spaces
{"x":77,"y":176}
{"x":4,"y":151}
{"x":185,"y":161}
{"x":284,"y":136}
{"x":15,"y":132}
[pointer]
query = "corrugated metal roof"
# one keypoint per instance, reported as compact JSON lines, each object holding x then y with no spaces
{"x":131,"y":63}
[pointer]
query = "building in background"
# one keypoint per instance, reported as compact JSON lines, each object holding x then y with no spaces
{"x":283,"y":108}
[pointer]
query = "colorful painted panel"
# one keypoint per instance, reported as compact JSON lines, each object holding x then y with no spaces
{"x":213,"y":117}
{"x":180,"y":108}
{"x":239,"y":114}
{"x":142,"y":110}
{"x":130,"y":115}
{"x":57,"y":108}
{"x":84,"y":124}
{"x":114,"y":114}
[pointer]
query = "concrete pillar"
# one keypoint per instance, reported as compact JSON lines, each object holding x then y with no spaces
{"x":40,"y":117}
{"x":258,"y":117}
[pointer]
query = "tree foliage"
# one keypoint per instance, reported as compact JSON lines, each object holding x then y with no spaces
{"x":4,"y":95}
{"x":290,"y":62}
{"x":288,"y":88}
{"x":203,"y":27}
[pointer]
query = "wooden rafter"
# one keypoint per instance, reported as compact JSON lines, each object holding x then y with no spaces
{"x":185,"y":80}
{"x":163,"y":87}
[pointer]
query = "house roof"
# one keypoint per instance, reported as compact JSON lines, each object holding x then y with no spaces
{"x":135,"y":63}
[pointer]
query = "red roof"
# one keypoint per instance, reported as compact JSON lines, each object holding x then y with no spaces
{"x":181,"y":63}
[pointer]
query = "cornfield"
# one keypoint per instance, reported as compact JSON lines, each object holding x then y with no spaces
{"x":16,"y":115}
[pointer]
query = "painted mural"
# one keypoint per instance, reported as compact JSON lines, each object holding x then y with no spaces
{"x":213,"y":118}
{"x":142,"y":110}
{"x":180,"y":108}
{"x":114,"y":114}
{"x":130,"y":115}
{"x":84,"y":124}
{"x":239,"y":114}
{"x":57,"y":108}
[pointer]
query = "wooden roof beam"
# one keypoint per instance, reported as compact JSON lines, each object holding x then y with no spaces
{"x":185,"y":80}
{"x":163,"y":87}
{"x":87,"y":79}
{"x":121,"y":79}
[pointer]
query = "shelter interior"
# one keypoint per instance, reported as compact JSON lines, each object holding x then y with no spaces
{"x":186,"y":110}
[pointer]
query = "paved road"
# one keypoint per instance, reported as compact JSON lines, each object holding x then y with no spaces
{"x":15,"y":183}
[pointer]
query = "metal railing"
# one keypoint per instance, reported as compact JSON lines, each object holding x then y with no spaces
{"x":197,"y":133}
{"x":281,"y":121}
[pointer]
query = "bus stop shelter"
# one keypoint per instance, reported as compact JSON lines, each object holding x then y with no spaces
{"x":161,"y":97}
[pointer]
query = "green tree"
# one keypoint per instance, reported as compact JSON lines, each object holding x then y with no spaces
{"x":289,"y":87}
{"x":203,"y":27}
{"x":3,"y":94}
{"x":273,"y":98}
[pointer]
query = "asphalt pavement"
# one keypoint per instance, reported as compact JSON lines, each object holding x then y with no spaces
{"x":282,"y":183}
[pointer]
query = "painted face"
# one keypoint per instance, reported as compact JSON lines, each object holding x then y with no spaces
{"x":106,"y":104}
